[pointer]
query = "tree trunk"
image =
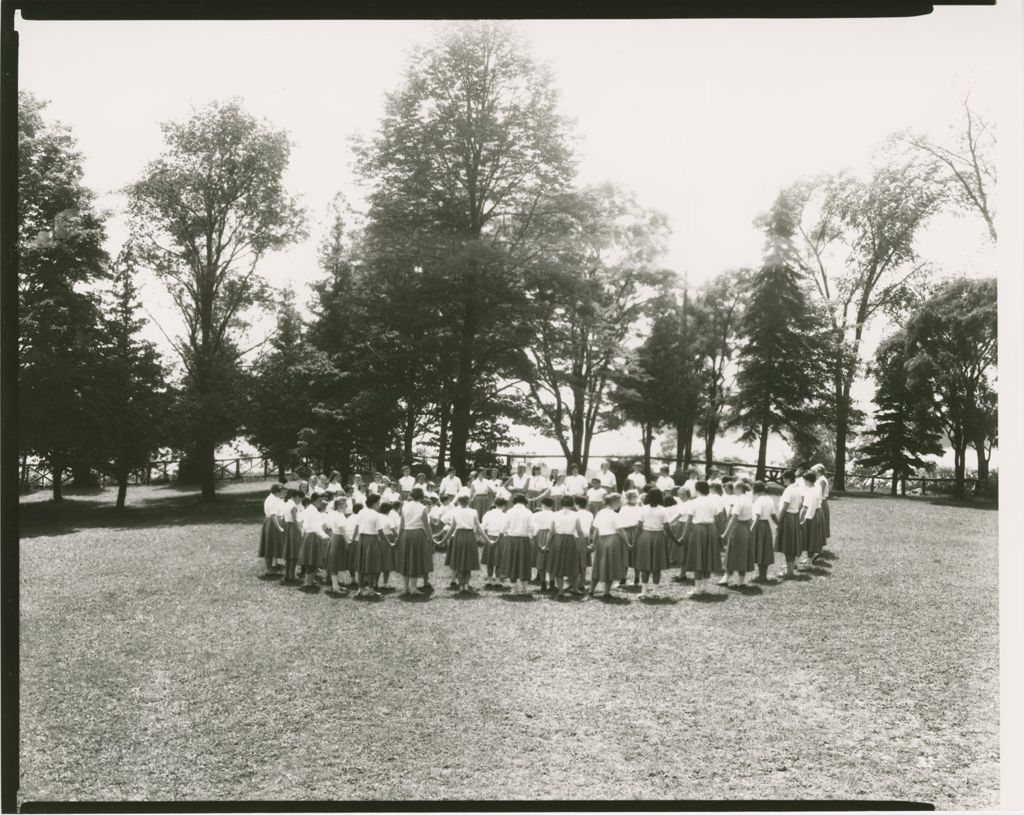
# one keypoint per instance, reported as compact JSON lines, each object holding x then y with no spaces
{"x":647,"y":439}
{"x":842,"y":430}
{"x":959,"y":467}
{"x":122,"y":482}
{"x":762,"y":452}
{"x":462,"y":402}
{"x":205,"y":452}
{"x":680,"y":446}
{"x":442,"y":437}
{"x":895,"y":483}
{"x":82,"y":475}
{"x":903,"y":485}
{"x":688,"y":449}
{"x":282,"y":471}
{"x":709,"y":449}
{"x":979,"y":449}
{"x":345,"y":454}
{"x":58,"y":477}
{"x":407,"y":435}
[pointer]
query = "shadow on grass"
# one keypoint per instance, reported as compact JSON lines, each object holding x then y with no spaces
{"x":464,"y":596}
{"x":612,"y":600}
{"x":827,"y":555}
{"x":802,"y":577}
{"x":518,"y":598}
{"x":631,"y":589}
{"x":413,"y":598}
{"x":708,"y":598}
{"x":747,"y":590}
{"x":934,"y":500}
{"x":171,"y":506}
{"x":817,"y":571}
{"x":658,"y":601}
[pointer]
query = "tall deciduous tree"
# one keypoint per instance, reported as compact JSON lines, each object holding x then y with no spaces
{"x":134,"y":394}
{"x":782,"y":373}
{"x":468,"y":146}
{"x":951,"y":350}
{"x":203,"y":216}
{"x":588,"y":296}
{"x":60,"y":258}
{"x":855,"y":241}
{"x":966,"y":163}
{"x":906,"y":424}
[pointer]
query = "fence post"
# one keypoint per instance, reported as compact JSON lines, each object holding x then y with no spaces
{"x":238,"y":471}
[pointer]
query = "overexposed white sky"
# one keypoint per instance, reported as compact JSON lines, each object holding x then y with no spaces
{"x":704,"y":119}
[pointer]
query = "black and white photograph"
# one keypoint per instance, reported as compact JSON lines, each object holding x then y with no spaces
{"x":516,"y":410}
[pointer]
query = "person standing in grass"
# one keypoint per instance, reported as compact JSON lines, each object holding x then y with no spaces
{"x":595,"y":496}
{"x":584,"y":544}
{"x":292,"y":535}
{"x":739,"y":554}
{"x":563,"y":550}
{"x":537,"y":486}
{"x":493,"y":524}
{"x":703,"y":552}
{"x":652,"y":545}
{"x":541,"y":539}
{"x":482,"y":493}
{"x":607,"y":478}
{"x":369,"y":561}
{"x":351,"y":531}
{"x":313,"y":535}
{"x":787,"y":531}
{"x":389,"y":532}
{"x":811,"y":520}
{"x":636,"y":480}
{"x":664,"y":483}
{"x":762,"y":510}
{"x":683,"y":513}
{"x":464,"y":533}
{"x":272,"y":531}
{"x":823,"y":486}
{"x":630,"y":518}
{"x":415,"y":553}
{"x":575,"y":484}
{"x":717,"y":495}
{"x":610,"y":543}
{"x":517,"y":556}
{"x":337,"y":547}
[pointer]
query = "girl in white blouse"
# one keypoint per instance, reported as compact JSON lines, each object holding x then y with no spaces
{"x":629,"y":520}
{"x":787,"y":533}
{"x":823,"y":485}
{"x":652,"y":545}
{"x":464,"y":533}
{"x":563,"y":551}
{"x":351,"y":524}
{"x":415,"y":553}
{"x":314,"y":537}
{"x":493,"y":524}
{"x":272,"y":532}
{"x":482,"y":493}
{"x":595,"y":496}
{"x":703,"y":552}
{"x":739,"y":555}
{"x":541,"y":538}
{"x":584,"y":545}
{"x":762,"y":510}
{"x":518,"y":555}
{"x":337,"y":547}
{"x":536,"y":486}
{"x":292,"y":535}
{"x":370,"y":550}
{"x":811,"y":520}
{"x":609,"y":544}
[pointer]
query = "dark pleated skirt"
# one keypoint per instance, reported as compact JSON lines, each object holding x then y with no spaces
{"x":609,"y":565}
{"x":652,"y":551}
{"x":628,"y":548}
{"x":826,"y":514}
{"x":387,"y":553}
{"x":292,"y":541}
{"x":481,"y":503}
{"x":541,"y":558}
{"x":678,"y":546}
{"x":465,"y":557}
{"x":703,"y":553}
{"x":310,"y":553}
{"x":270,"y":539}
{"x":761,"y":543}
{"x":351,"y":555}
{"x":337,"y":554}
{"x":415,"y":553}
{"x":721,"y":519}
{"x":369,"y":555}
{"x":739,"y":554}
{"x":583,"y":553}
{"x":563,"y":557}
{"x":517,"y":558}
{"x":787,"y":536}
{"x":813,"y":535}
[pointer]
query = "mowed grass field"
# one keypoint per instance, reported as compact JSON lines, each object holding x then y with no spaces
{"x":155,"y":665}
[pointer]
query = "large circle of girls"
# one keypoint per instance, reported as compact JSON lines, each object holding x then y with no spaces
{"x":560,"y":533}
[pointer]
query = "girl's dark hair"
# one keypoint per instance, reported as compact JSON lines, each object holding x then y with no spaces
{"x":500,"y":502}
{"x":580,"y":502}
{"x":276,"y":489}
{"x":547,"y":501}
{"x":372,"y":500}
{"x":567,"y":502}
{"x":337,"y":502}
{"x":702,"y":487}
{"x":291,"y":494}
{"x":519,"y":498}
{"x":810,"y":476}
{"x":384,"y":508}
{"x":305,"y":501}
{"x":357,"y":507}
{"x":668,"y":501}
{"x":462,"y":500}
{"x":653,"y":497}
{"x":335,"y":474}
{"x":416,"y":494}
{"x":742,"y":486}
{"x":788,"y":475}
{"x":717,"y":488}
{"x":759,"y":487}
{"x":728,"y":479}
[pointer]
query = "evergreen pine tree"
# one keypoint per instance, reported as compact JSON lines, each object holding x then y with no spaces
{"x":906,"y":426}
{"x":780,"y":374}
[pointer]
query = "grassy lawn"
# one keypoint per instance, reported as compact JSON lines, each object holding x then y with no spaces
{"x":154,"y":665}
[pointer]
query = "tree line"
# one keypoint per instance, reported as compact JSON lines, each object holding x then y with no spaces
{"x":484,"y":287}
